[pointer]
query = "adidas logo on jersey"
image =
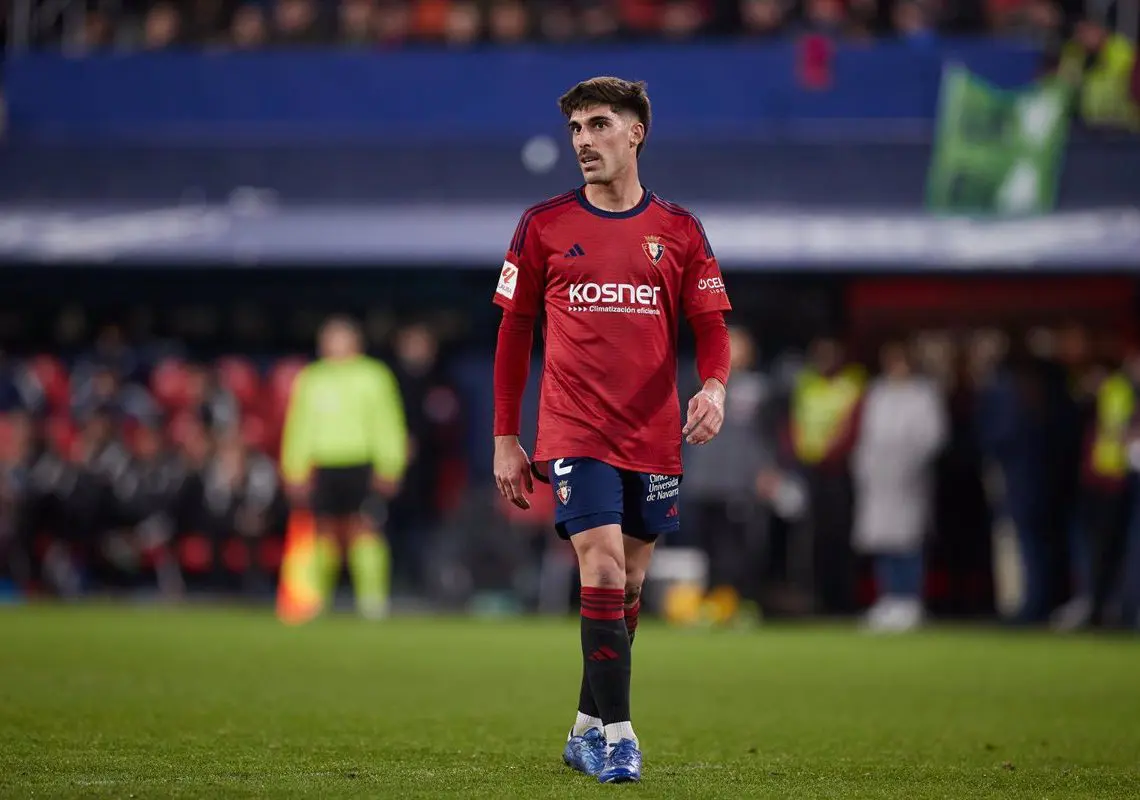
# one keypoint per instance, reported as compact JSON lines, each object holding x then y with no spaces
{"x":576,"y":250}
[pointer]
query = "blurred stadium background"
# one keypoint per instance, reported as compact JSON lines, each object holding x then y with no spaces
{"x":190,"y":188}
{"x":944,"y":192}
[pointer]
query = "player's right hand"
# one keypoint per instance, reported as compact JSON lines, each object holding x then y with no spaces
{"x":512,"y":471}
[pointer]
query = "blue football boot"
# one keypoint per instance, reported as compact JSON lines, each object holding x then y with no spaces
{"x":586,"y":753}
{"x":623,"y":763}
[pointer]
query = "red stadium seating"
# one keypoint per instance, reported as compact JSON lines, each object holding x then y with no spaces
{"x":255,"y":432}
{"x":269,"y":553}
{"x":195,"y":553}
{"x":281,"y":377}
{"x":129,"y":428}
{"x":6,"y":437}
{"x":169,"y":384}
{"x":235,"y":556}
{"x":239,"y":376}
{"x":53,"y":377}
{"x":279,"y":384}
{"x":181,"y":426}
{"x":62,"y":434}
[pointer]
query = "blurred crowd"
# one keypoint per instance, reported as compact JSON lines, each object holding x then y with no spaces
{"x":248,"y":24}
{"x":134,"y":467}
{"x":1092,"y":49}
{"x":977,"y":472}
{"x":956,"y":473}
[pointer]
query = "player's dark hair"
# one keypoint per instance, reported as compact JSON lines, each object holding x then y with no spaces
{"x":617,"y":93}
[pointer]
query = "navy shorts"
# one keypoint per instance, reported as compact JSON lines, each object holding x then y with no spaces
{"x":589,"y":493}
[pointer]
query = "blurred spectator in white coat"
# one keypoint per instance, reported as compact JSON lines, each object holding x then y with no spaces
{"x":902,"y":429}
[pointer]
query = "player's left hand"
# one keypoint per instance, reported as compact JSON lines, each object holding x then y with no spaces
{"x":706,"y":414}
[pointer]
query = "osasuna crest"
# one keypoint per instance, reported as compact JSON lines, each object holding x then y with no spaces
{"x":563,"y":492}
{"x":653,"y":248}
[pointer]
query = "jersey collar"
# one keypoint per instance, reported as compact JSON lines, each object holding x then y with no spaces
{"x":646,"y":198}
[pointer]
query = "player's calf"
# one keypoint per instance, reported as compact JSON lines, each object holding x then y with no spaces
{"x":632,"y":609}
{"x":605,"y":641}
{"x":606,"y":654}
{"x":588,"y":716}
{"x":637,"y":553}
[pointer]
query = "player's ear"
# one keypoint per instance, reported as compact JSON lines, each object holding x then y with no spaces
{"x":636,"y":134}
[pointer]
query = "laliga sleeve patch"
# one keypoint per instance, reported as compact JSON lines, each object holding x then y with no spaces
{"x":508,"y":280}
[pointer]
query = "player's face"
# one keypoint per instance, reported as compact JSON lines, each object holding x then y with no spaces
{"x":605,"y":142}
{"x":338,"y":341}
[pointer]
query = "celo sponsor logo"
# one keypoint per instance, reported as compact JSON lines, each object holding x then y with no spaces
{"x":714,"y":284}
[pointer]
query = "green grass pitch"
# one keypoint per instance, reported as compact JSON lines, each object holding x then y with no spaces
{"x":145,"y":703}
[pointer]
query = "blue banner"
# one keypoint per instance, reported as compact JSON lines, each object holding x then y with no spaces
{"x":729,"y":89}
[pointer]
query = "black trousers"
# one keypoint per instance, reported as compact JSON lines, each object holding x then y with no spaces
{"x":833,"y":560}
{"x":731,"y":532}
{"x":1104,"y":523}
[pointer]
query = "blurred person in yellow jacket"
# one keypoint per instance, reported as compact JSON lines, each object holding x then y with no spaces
{"x":1101,"y":67}
{"x":824,"y":419}
{"x":1104,"y":504}
{"x":346,"y":441}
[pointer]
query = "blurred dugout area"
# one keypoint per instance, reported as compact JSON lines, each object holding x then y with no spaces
{"x":125,"y":474}
{"x":124,"y":469}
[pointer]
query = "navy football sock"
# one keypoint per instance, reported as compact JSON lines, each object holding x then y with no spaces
{"x":586,"y":704}
{"x":606,"y":652}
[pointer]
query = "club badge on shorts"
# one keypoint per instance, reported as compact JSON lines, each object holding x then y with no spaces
{"x":563,"y":492}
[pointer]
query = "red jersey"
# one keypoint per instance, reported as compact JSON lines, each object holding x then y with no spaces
{"x":610,"y":288}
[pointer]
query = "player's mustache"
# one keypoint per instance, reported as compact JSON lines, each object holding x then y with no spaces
{"x":586,"y":153}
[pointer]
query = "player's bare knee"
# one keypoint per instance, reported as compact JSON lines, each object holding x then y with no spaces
{"x":603,"y":570}
{"x":606,"y":576}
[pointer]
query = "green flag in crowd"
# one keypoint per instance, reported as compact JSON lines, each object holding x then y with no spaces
{"x":997,"y":151}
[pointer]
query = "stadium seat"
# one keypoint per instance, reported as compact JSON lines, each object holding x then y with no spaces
{"x":62,"y":435}
{"x":169,"y":384}
{"x":279,"y":383}
{"x":235,"y":556}
{"x":255,"y":432}
{"x":239,"y":376}
{"x":53,"y":377}
{"x":181,"y":426}
{"x":195,"y":553}
{"x":269,"y":553}
{"x":129,"y":433}
{"x":6,"y":437}
{"x":281,"y":377}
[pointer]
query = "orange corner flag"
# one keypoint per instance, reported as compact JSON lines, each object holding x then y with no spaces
{"x":299,"y":597}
